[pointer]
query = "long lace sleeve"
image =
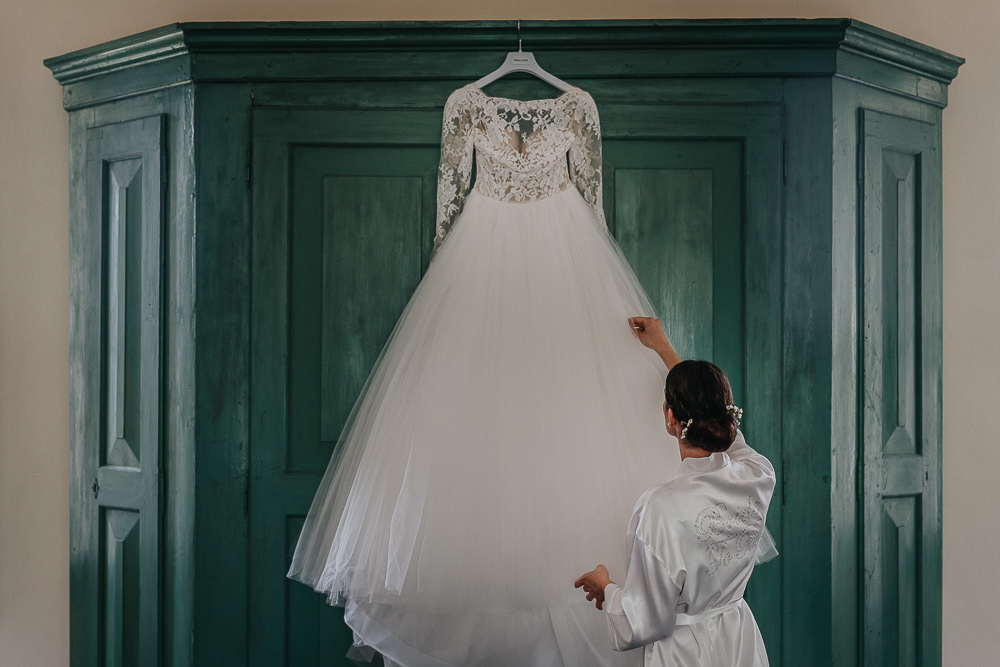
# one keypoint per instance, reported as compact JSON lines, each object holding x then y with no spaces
{"x":585,"y":155}
{"x":455,"y":169}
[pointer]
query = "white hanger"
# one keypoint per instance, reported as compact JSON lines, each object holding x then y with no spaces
{"x":521,"y":61}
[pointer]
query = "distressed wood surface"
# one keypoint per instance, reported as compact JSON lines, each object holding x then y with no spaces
{"x":116,"y":352}
{"x":900,"y":378}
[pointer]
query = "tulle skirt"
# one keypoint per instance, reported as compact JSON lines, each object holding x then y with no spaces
{"x":497,"y":449}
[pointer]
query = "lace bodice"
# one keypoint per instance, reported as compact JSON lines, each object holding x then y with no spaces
{"x":524,"y":150}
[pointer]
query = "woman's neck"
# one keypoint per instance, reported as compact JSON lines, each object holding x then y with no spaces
{"x":689,"y":451}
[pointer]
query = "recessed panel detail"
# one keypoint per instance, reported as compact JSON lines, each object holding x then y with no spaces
{"x":123,"y":246}
{"x":900,"y":295}
{"x":122,"y":570}
{"x":672,"y":209}
{"x":355,"y":260}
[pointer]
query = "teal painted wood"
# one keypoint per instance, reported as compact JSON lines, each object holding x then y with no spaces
{"x":84,"y":401}
{"x":778,"y":98}
{"x":343,"y":219}
{"x":849,"y":525}
{"x":118,"y":349}
{"x":177,"y":471}
{"x":675,"y":203}
{"x":900,"y":381}
{"x":749,"y":47}
{"x":219,"y":152}
{"x":806,"y":366}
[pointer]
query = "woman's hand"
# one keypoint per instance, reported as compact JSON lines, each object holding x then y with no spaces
{"x":593,"y":584}
{"x":649,"y":331}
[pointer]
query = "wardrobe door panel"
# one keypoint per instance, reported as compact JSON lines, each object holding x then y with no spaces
{"x":344,"y":209}
{"x":676,"y":209}
{"x":900,"y":385}
{"x":115,"y":393}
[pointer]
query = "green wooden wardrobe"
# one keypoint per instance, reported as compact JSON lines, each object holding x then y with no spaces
{"x":252,"y":204}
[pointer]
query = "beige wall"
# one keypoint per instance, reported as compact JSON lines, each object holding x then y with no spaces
{"x":34,"y":461}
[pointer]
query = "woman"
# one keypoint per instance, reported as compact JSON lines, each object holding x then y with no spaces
{"x":692,"y":542}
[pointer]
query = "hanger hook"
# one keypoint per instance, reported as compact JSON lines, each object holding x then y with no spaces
{"x":519,"y":35}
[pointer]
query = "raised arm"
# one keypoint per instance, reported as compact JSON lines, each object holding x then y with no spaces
{"x":455,"y":168}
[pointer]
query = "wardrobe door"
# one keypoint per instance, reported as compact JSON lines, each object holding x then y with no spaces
{"x":692,"y":194}
{"x":900,"y":389}
{"x":343,"y":222}
{"x":115,"y":391}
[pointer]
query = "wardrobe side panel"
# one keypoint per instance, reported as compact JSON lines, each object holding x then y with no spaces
{"x":84,"y":401}
{"x":176,"y":510}
{"x":220,"y":277}
{"x":806,"y":367}
{"x":900,"y":388}
{"x":117,"y":366}
{"x":883,"y":280}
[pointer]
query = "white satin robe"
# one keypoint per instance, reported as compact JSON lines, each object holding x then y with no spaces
{"x":692,"y":545}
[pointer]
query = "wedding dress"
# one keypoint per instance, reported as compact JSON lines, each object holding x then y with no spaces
{"x":512,"y":419}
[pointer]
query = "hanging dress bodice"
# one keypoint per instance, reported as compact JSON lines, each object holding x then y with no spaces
{"x":523,"y":150}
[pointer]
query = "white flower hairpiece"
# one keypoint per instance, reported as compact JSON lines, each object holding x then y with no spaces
{"x":684,"y":431}
{"x":735,"y":413}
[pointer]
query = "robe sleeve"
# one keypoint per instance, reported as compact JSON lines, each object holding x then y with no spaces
{"x":455,"y":168}
{"x":585,"y":155}
{"x":644,"y":609}
{"x":740,"y":451}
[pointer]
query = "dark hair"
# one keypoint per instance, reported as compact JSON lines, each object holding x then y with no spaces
{"x":699,"y":390}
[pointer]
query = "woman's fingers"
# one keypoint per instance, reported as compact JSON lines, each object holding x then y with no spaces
{"x":592,"y":584}
{"x":639,"y":325}
{"x":645,"y":325}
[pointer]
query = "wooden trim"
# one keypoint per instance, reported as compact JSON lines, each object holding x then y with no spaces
{"x":760,"y":37}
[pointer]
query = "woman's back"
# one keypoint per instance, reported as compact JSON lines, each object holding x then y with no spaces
{"x":692,"y":545}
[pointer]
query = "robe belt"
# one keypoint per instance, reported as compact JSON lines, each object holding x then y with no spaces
{"x":691,"y":619}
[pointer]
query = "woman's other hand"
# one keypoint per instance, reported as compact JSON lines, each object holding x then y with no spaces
{"x":593,"y":584}
{"x":649,"y":331}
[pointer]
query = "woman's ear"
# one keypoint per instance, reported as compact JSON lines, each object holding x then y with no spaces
{"x":672,"y":423}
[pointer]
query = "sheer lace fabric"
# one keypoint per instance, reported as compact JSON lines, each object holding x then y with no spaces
{"x":524,"y":150}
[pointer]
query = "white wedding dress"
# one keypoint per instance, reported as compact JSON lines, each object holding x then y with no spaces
{"x":512,"y":419}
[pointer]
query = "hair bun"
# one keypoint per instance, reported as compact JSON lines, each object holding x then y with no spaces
{"x":700,"y":397}
{"x":713,"y":434}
